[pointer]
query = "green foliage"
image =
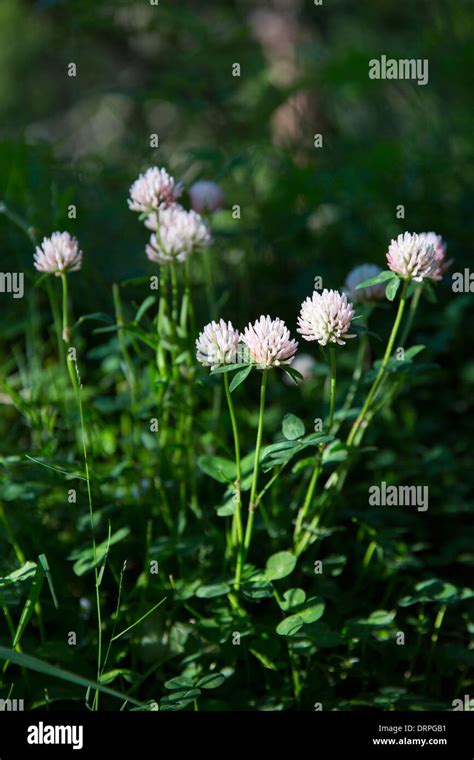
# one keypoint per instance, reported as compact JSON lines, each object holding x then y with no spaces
{"x":292,"y":427}
{"x":392,"y":288}
{"x":307,"y":612}
{"x":279,"y":566}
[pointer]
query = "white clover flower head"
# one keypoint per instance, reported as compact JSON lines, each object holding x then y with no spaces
{"x":206,"y":196}
{"x":413,"y":257}
{"x":431,"y":238}
{"x":58,"y":254}
{"x":217,"y":344}
{"x":304,"y":364}
{"x":269,"y":342}
{"x":179,"y":233}
{"x":326,"y":317}
{"x":358,"y":275}
{"x":153,"y":190}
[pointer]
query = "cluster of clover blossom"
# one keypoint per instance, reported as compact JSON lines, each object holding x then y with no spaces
{"x":266,"y":343}
{"x":176,"y":232}
{"x":324,"y":317}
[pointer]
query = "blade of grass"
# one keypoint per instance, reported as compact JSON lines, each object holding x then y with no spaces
{"x":117,"y":611}
{"x":71,"y":475}
{"x":44,"y":564}
{"x":40,"y":666}
{"x":31,"y":601}
{"x":104,"y":561}
{"x":139,"y":620}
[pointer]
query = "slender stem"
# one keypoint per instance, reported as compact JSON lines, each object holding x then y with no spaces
{"x":332,"y":391}
{"x":187,"y":309}
{"x":357,"y":374}
{"x":238,"y":513}
{"x":309,"y":495}
{"x":435,"y":635}
{"x":52,"y":295}
{"x":253,"y":489}
{"x":94,"y":547}
{"x":294,"y":673}
{"x":130,"y":374}
{"x":174,"y":319}
{"x":235,"y":432}
{"x":70,"y":361}
{"x":160,"y":326}
{"x":318,"y":464}
{"x":268,"y":485}
{"x":187,"y":321}
{"x":66,"y":327}
{"x":337,"y":479}
{"x":263,"y":389}
{"x":174,"y":294}
{"x":411,"y":313}
{"x":114,"y":625}
{"x":192,"y":315}
{"x":376,"y":384}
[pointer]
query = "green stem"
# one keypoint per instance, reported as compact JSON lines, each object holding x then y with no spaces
{"x":376,"y":384}
{"x":187,"y":309}
{"x":174,"y":320}
{"x":94,"y":547}
{"x":308,"y":498}
{"x":235,"y":430}
{"x":130,"y":374}
{"x":337,"y":479}
{"x":357,"y":374}
{"x":70,"y":361}
{"x":52,"y":295}
{"x":318,"y":465}
{"x":332,"y":391}
{"x":160,"y":323}
{"x":270,"y":483}
{"x":434,"y":636}
{"x":411,"y":313}
{"x":66,"y":328}
{"x":238,"y":514}
{"x":174,"y":294}
{"x":253,"y":490}
{"x":294,"y":673}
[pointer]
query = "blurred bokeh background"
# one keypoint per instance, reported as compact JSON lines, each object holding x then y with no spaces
{"x":168,"y":70}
